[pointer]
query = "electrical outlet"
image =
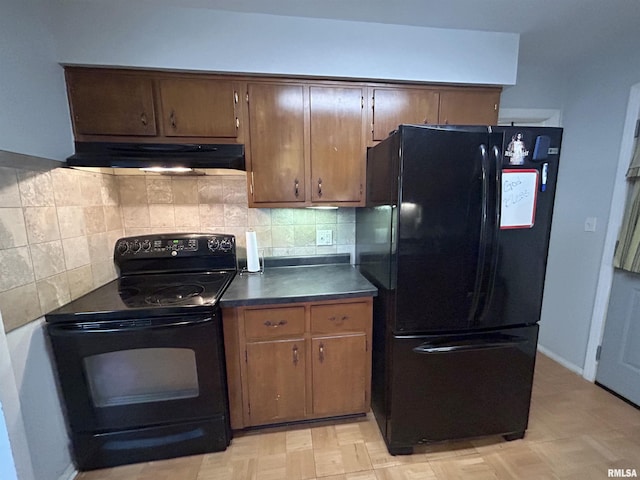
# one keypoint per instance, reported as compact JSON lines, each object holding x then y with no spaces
{"x":324,"y":237}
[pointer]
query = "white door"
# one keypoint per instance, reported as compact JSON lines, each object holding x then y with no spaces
{"x":619,"y":355}
{"x":619,"y":365}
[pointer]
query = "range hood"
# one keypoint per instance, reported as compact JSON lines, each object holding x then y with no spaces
{"x":153,"y":155}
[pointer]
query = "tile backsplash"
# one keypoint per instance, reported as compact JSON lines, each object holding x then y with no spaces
{"x":57,"y":230}
{"x":153,"y":204}
{"x":58,"y":227}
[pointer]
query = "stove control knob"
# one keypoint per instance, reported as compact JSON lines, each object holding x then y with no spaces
{"x":174,"y":253}
{"x":146,"y":245}
{"x":122,"y":248}
{"x":135,"y":247}
{"x":225,"y":244}
{"x":213,"y":244}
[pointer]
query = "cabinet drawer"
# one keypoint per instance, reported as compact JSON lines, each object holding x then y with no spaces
{"x":341,"y":317}
{"x":274,"y":322}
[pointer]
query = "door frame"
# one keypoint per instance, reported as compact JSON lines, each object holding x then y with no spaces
{"x":616,"y":214}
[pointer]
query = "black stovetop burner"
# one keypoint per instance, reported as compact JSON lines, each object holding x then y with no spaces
{"x":170,"y":274}
{"x":199,"y":288}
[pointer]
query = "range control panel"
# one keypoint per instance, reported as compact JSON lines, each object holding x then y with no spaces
{"x":174,"y":245}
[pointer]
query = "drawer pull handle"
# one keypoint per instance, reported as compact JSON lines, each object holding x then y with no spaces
{"x":321,"y":353}
{"x":339,"y":321}
{"x":269,"y":323}
{"x":295,"y":355}
{"x":319,"y":187}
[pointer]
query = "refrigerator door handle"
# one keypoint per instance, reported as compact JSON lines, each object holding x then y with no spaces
{"x":493,"y":236}
{"x":479,"y":344}
{"x":482,"y":247}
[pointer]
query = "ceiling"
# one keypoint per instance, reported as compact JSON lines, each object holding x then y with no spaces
{"x":551,"y":30}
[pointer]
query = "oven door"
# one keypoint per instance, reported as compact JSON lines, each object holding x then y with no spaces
{"x":124,"y":374}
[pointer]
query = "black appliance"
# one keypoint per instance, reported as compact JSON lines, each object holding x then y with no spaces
{"x":157,"y":155}
{"x":140,"y":360}
{"x":455,"y":236}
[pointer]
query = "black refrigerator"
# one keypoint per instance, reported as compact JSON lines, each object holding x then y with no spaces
{"x":455,"y":235}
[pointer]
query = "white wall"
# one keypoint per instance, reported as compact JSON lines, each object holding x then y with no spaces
{"x":537,"y":87}
{"x":7,"y":465}
{"x":42,"y":411}
{"x":34,"y":117}
{"x":13,"y":415}
{"x":200,"y":39}
{"x":595,"y":105}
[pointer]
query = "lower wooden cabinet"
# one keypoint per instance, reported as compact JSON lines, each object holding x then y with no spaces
{"x":339,"y":370}
{"x":298,"y":361}
{"x":276,"y":380}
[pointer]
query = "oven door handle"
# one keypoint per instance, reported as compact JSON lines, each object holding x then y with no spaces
{"x":114,"y":326}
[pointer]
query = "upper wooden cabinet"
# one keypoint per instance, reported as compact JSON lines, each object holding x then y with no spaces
{"x":194,"y":107}
{"x":110,"y":103}
{"x":277,"y":149}
{"x":145,"y":106}
{"x":337,"y":144}
{"x":305,"y":139}
{"x":469,"y":107}
{"x":394,"y":106}
{"x":306,"y":144}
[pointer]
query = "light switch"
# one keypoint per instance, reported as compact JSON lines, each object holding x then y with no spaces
{"x":590,"y":224}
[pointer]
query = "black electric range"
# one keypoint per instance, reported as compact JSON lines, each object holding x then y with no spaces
{"x":140,"y":360}
{"x":159,"y":275}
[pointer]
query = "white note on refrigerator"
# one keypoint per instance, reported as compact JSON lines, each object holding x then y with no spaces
{"x":519,"y":197}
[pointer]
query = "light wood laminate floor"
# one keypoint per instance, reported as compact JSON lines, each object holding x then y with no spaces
{"x":576,"y":431}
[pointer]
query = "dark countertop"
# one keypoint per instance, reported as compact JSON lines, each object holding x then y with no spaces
{"x":300,"y":283}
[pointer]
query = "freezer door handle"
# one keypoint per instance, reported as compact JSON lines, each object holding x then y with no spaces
{"x":476,"y":344}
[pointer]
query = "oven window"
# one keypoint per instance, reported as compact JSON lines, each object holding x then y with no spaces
{"x":141,"y":375}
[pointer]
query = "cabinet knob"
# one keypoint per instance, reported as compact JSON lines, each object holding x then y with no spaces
{"x":296,"y":184}
{"x":143,"y":118}
{"x":319,"y":187}
{"x":172,"y":119}
{"x":295,"y":355}
{"x":321,"y":353}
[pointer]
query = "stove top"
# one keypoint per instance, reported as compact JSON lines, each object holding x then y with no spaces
{"x":172,"y":289}
{"x":178,"y":274}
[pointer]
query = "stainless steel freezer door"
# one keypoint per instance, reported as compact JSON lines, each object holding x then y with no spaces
{"x":449,"y":387}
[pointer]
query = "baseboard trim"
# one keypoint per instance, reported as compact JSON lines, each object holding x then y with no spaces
{"x":562,"y":361}
{"x":69,"y":474}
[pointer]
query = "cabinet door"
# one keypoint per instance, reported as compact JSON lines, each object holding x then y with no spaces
{"x":337,"y":147}
{"x":193,"y":107}
{"x":395,"y":106}
{"x":339,"y":374}
{"x":276,"y":126}
{"x":472,"y":107}
{"x":108,"y":103}
{"x":276,"y":381}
